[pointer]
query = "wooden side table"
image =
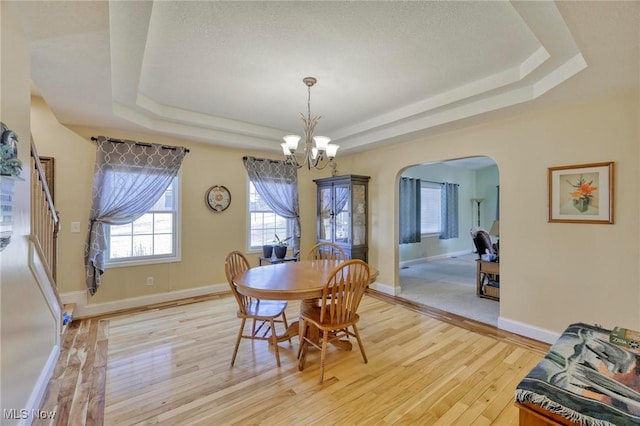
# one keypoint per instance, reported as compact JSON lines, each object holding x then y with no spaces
{"x":483,"y":269}
{"x":274,"y":260}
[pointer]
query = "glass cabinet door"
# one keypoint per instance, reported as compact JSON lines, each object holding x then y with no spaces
{"x":359,"y":215}
{"x":325,"y":205}
{"x":342,"y":208}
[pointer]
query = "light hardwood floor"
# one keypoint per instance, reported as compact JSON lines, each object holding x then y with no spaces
{"x":170,"y":365}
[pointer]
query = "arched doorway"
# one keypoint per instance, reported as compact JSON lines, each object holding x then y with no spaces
{"x":441,"y":273}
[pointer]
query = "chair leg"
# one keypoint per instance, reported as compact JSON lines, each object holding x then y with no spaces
{"x":355,"y":331}
{"x":253,"y":331}
{"x":286,"y":326}
{"x":274,"y":339}
{"x":235,"y":351}
{"x":323,"y":354}
{"x":302,"y":350}
{"x":301,"y":333}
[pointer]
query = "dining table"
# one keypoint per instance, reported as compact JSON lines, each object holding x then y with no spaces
{"x":303,"y":280}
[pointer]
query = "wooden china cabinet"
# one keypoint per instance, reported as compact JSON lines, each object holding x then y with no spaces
{"x":342,"y":213}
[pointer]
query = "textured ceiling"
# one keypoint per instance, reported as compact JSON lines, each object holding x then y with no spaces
{"x":230,"y":73}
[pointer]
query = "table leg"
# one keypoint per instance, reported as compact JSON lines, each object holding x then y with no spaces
{"x":342,"y":344}
{"x":291,"y":331}
{"x":314,"y":333}
{"x":294,"y":327}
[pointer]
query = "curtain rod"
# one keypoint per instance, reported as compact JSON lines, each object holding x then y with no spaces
{"x":429,"y":181}
{"x":439,"y":183}
{"x":108,"y":139}
{"x":261,"y":159}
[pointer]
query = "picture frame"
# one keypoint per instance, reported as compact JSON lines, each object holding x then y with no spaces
{"x":581,"y":193}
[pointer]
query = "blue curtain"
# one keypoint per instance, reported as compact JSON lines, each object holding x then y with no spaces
{"x":409,"y":210}
{"x":449,"y":210}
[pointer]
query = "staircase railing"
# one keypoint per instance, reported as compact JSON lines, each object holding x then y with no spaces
{"x":45,"y":220}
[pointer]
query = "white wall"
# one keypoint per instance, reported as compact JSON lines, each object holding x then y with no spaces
{"x":28,"y":332}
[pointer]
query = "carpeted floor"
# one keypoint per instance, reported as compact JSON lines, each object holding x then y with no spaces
{"x":450,"y":285}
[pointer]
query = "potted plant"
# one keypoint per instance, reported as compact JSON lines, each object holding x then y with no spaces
{"x":280,"y":247}
{"x":267,"y":251}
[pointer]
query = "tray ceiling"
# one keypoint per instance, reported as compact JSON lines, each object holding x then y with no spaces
{"x":230,"y":73}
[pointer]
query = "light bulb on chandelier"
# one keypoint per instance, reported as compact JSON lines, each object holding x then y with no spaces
{"x":318,"y":152}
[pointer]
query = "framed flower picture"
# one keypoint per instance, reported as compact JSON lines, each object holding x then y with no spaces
{"x":582,"y":193}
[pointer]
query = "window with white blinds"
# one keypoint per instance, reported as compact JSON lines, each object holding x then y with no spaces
{"x":429,"y":208}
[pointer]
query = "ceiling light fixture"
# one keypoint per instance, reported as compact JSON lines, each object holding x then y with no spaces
{"x":318,"y":152}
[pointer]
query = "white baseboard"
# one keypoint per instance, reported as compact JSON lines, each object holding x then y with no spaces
{"x":385,"y":288}
{"x":79,"y":298}
{"x":34,"y":403}
{"x":437,"y":257}
{"x":86,"y":309}
{"x":527,"y":330}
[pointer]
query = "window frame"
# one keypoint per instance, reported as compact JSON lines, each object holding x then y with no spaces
{"x":436,"y":186}
{"x":255,"y":249}
{"x":160,"y":258}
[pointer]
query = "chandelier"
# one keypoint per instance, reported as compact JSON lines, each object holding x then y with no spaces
{"x":318,"y":152}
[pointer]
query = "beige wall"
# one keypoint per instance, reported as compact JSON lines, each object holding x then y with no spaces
{"x":207,"y":237}
{"x":552,"y":274}
{"x":28,"y":332}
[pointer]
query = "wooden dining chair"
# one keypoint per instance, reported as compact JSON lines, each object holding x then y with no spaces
{"x":326,"y":251}
{"x":264,"y":313}
{"x":337,"y":311}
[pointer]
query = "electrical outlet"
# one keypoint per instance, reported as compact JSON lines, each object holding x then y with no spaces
{"x":149,"y":280}
{"x":75,"y":227}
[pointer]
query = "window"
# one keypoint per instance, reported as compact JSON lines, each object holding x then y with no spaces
{"x":430,"y":208}
{"x":264,"y":224}
{"x":151,"y":238}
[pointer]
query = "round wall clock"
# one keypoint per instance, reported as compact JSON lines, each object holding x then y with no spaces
{"x":218,"y":198}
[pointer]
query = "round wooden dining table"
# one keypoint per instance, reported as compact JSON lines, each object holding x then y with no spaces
{"x":303,"y":280}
